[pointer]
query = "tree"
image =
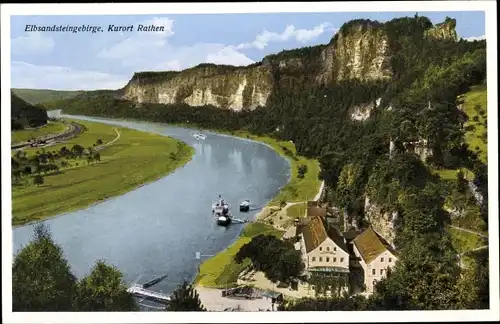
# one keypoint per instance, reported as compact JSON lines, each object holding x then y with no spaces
{"x":104,"y":290}
{"x":38,"y":180}
{"x":461,"y":182}
{"x":41,"y":276}
{"x":78,"y":150}
{"x":185,"y":299}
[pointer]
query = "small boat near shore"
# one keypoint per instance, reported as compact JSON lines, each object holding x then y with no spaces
{"x":200,"y":136}
{"x":245,"y":205}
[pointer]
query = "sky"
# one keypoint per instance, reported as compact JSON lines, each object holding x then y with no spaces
{"x":107,"y":60}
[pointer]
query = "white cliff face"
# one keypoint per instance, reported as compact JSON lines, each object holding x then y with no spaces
{"x":363,"y":54}
{"x":363,"y":112}
{"x":420,"y":147}
{"x":233,"y":89}
{"x":383,"y":222}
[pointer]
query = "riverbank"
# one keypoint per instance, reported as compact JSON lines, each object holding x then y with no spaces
{"x":221,"y":270}
{"x":52,"y":127}
{"x":133,"y":159}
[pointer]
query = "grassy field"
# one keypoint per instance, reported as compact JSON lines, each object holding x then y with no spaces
{"x":451,"y":174}
{"x":463,"y":241}
{"x":475,"y":106}
{"x":134,"y":159}
{"x":50,"y":128}
{"x":37,"y":96}
{"x":297,"y":210}
{"x":94,"y":131}
{"x":221,"y":270}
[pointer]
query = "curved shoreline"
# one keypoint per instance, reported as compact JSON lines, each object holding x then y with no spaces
{"x":278,"y":151}
{"x":139,"y":185}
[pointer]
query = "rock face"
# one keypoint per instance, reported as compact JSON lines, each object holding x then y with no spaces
{"x":444,"y":31}
{"x":225,"y":87}
{"x":360,"y":50}
{"x":383,"y":222}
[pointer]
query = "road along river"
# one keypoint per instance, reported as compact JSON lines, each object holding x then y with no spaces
{"x":158,"y":228}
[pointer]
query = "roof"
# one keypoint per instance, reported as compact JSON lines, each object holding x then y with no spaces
{"x":350,"y":235}
{"x":370,"y":245}
{"x":316,"y":231}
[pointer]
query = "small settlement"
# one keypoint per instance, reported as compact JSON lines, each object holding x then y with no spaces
{"x":328,"y":252}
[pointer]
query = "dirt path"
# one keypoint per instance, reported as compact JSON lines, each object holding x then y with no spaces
{"x":100,"y":147}
{"x":279,"y":215}
{"x":468,"y":231}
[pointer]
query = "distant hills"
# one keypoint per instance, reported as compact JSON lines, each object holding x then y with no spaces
{"x":40,"y":96}
{"x":24,"y":114}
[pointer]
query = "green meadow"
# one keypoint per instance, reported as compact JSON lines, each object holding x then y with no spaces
{"x":27,"y":134}
{"x":132,"y":159}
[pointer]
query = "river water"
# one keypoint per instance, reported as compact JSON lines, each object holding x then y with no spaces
{"x":158,"y":228}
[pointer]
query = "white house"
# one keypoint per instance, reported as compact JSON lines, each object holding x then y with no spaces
{"x":374,"y":255}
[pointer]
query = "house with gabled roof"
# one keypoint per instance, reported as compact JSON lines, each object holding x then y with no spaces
{"x":323,"y":247}
{"x":374,"y":255}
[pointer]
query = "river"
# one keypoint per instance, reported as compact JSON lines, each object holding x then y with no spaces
{"x":158,"y":228}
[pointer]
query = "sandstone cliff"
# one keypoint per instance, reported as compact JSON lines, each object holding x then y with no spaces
{"x":382,"y":222}
{"x":359,"y":50}
{"x":445,"y":30}
{"x":207,"y":84}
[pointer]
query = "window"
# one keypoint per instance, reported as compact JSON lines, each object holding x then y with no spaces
{"x":314,"y":259}
{"x":320,"y":259}
{"x":328,"y":248}
{"x":327,"y":259}
{"x":381,"y":271}
{"x":341,"y":259}
{"x":381,"y":259}
{"x":334,"y":249}
{"x":373,"y":271}
{"x":390,"y":260}
{"x":334,"y":259}
{"x":320,"y":248}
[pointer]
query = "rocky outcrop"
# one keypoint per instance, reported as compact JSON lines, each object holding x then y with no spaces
{"x":444,"y":31}
{"x":360,"y":50}
{"x":363,"y":112}
{"x":420,"y":148}
{"x":225,"y":87}
{"x":382,"y":222}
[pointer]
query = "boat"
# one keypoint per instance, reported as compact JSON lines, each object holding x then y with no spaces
{"x":245,"y":205}
{"x":220,"y":210}
{"x":200,"y":136}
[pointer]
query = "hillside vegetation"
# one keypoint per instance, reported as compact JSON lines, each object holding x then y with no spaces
{"x":76,"y":174}
{"x":419,"y":104}
{"x":25,"y":115}
{"x":39,"y":96}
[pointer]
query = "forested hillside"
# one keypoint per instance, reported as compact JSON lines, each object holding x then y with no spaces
{"x":25,"y":115}
{"x":371,"y":157}
{"x":37,"y":96}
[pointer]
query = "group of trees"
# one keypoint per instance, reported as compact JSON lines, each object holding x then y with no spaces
{"x":42,"y":281}
{"x":276,"y":258}
{"x":417,"y":104}
{"x":47,"y":162}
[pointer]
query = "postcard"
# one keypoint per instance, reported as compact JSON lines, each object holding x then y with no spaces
{"x":249,"y":162}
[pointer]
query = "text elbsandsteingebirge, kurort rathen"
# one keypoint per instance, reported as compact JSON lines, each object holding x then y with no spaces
{"x":94,"y":29}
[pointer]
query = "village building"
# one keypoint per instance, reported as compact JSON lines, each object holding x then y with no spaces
{"x":324,"y":250}
{"x":374,"y":256}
